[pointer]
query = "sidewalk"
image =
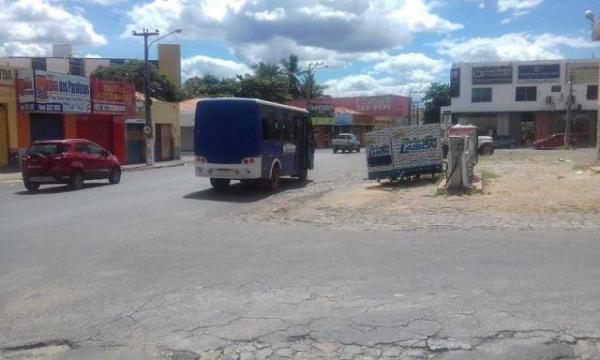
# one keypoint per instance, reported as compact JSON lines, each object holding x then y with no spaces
{"x":9,"y":176}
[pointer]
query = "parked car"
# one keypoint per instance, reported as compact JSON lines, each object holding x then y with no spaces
{"x":557,"y":140}
{"x":345,"y":142}
{"x":505,"y":141}
{"x":68,"y":162}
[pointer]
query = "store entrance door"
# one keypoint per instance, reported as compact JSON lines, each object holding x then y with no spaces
{"x":164,"y":142}
{"x":46,"y":127}
{"x":136,"y":144}
{"x":3,"y":136}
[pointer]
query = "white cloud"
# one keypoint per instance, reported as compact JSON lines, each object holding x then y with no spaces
{"x":28,"y":27}
{"x":200,"y":65}
{"x":359,"y":26}
{"x":482,"y":5}
{"x":366,"y":85}
{"x":92,"y":56}
{"x":519,"y":6}
{"x":513,"y":46}
{"x":408,"y":62}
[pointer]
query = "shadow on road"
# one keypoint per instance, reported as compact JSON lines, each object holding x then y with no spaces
{"x":57,"y":189}
{"x":238,"y":193}
{"x":398,"y":185}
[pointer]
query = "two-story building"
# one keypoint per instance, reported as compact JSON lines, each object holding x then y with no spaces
{"x":526,"y":100}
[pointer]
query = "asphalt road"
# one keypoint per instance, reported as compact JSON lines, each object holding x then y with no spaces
{"x":156,"y":267}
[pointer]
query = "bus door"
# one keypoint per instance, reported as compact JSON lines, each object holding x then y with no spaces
{"x":301,"y":143}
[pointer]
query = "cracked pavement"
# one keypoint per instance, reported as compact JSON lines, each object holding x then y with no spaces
{"x":168,"y":276}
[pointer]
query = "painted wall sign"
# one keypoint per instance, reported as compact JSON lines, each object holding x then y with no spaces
{"x":455,"y":82}
{"x":583,"y":73}
{"x":113,"y":97}
{"x":43,"y":91}
{"x":539,"y":73}
{"x":482,"y":75}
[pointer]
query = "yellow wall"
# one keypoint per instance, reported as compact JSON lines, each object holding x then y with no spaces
{"x":8,"y":100}
{"x":169,"y":62}
{"x":168,"y":113}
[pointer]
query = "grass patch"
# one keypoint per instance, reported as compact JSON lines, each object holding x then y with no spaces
{"x":488,"y":176}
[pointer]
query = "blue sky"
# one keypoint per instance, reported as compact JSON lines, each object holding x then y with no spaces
{"x":370,"y":46}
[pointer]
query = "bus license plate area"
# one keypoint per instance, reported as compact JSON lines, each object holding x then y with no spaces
{"x":224,"y":172}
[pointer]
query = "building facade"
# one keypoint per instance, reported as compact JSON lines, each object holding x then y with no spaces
{"x":526,"y":100}
{"x":168,"y":63}
{"x":8,"y":117}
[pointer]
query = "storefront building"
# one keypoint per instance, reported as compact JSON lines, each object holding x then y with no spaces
{"x":8,"y":117}
{"x":58,"y":106}
{"x":349,"y":121}
{"x":165,"y":129}
{"x":323,"y":121}
{"x":525,"y":100}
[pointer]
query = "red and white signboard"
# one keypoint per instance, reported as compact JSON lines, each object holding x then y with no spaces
{"x":113,"y":97}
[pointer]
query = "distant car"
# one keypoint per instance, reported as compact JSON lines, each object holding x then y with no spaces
{"x":505,"y":141}
{"x":68,"y":161}
{"x":345,"y":142}
{"x":556,"y":140}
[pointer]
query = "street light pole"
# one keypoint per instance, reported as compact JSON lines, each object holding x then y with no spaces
{"x":147,"y":102}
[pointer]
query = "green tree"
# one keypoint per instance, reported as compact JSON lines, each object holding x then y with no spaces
{"x":317,"y":90}
{"x":268,"y":82}
{"x":436,"y":96}
{"x":292,"y":70}
{"x":133,"y":72}
{"x":210,"y":86}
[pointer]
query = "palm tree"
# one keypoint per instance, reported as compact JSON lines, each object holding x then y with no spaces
{"x":316,"y":90}
{"x":292,"y":70}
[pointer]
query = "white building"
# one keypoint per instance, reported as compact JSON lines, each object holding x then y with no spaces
{"x":526,"y":100}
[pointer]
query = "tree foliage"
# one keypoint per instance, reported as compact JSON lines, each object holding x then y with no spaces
{"x":134,"y":72}
{"x":272,"y":82}
{"x":436,"y":96}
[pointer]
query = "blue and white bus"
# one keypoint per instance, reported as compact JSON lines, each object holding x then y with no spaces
{"x":251,"y":139}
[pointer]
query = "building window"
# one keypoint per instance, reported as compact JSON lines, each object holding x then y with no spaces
{"x":76,"y":66}
{"x":526,"y":93}
{"x":592,"y":92}
{"x":38,"y":64}
{"x":556,"y":88}
{"x":479,"y":95}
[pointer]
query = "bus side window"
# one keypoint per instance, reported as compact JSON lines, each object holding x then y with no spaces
{"x":290,"y":127}
{"x":270,"y":127}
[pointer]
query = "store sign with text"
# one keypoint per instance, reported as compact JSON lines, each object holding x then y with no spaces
{"x":43,"y":91}
{"x":539,"y":73}
{"x":492,"y":75}
{"x":113,"y":97}
{"x":583,"y":73}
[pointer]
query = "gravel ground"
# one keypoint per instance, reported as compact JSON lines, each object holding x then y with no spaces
{"x":524,"y":189}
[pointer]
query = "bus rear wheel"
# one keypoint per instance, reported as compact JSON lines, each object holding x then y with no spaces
{"x":220,"y":184}
{"x":274,"y":180}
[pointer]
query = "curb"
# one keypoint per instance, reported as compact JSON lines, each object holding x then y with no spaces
{"x":159,"y":166}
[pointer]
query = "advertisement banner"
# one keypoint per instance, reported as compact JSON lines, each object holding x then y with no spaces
{"x":455,"y":82}
{"x":113,"y":97}
{"x":42,"y":91}
{"x":583,"y":73}
{"x":483,"y":75}
{"x":321,"y":110}
{"x":392,"y":151}
{"x":343,"y":119}
{"x":26,"y":90}
{"x":538,"y":73}
{"x":327,"y":121}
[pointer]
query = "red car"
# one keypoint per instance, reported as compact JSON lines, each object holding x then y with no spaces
{"x":556,"y":140}
{"x":68,"y":161}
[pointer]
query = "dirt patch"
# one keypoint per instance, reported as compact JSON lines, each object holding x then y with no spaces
{"x":524,"y":189}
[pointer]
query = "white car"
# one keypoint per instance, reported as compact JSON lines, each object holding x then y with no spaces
{"x":345,"y":142}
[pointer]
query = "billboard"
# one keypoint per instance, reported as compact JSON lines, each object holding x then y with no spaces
{"x":583,"y":73}
{"x":455,"y":82}
{"x":394,"y":150}
{"x":483,"y":75}
{"x":43,"y":91}
{"x":113,"y":97}
{"x":539,"y":73}
{"x":322,"y":114}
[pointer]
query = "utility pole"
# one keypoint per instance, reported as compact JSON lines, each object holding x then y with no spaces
{"x":595,"y":37}
{"x":568,"y":119}
{"x":147,"y":102}
{"x":147,"y":105}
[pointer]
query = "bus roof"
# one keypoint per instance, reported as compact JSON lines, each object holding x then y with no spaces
{"x":258,"y":101}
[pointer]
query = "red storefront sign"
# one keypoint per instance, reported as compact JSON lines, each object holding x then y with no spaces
{"x":386,"y":105}
{"x":113,"y":97}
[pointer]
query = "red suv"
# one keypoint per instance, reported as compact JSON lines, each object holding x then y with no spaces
{"x":68,"y":161}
